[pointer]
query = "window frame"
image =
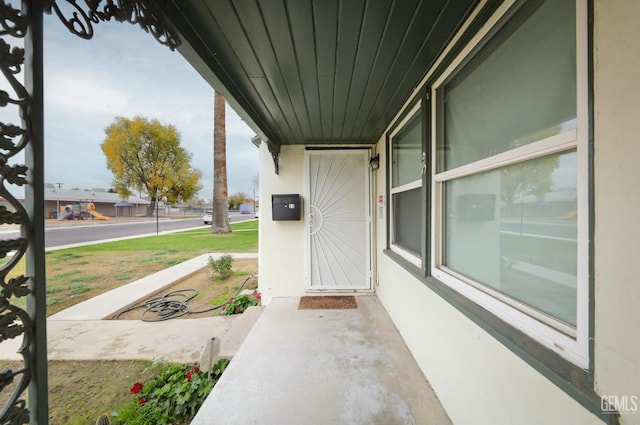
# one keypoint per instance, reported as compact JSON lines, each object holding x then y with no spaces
{"x":569,"y":342}
{"x":415,"y":112}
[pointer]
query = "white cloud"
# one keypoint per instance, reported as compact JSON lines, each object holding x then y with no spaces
{"x":72,"y":92}
{"x":123,"y":71}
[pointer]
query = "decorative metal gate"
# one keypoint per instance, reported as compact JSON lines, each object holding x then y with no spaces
{"x":22,"y":136}
{"x":22,"y":93}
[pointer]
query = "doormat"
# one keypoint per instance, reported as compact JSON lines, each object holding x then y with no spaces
{"x":327,"y":302}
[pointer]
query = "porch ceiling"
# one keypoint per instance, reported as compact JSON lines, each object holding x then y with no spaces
{"x":318,"y":71}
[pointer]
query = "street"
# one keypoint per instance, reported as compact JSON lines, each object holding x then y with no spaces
{"x":59,"y":234}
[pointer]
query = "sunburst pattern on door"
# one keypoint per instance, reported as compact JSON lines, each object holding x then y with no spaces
{"x":338,"y":219}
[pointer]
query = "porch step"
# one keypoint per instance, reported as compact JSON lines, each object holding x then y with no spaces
{"x":238,"y":331}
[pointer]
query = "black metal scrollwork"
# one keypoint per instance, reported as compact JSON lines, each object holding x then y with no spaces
{"x":80,"y":21}
{"x":15,"y":322}
{"x":12,"y":21}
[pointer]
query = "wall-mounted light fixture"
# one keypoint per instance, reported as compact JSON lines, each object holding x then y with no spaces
{"x":374,"y":162}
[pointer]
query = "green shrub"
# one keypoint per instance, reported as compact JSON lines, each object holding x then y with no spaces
{"x":238,"y":304}
{"x":221,"y":267}
{"x":175,"y":395}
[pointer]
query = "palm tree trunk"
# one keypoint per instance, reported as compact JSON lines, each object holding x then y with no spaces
{"x":220,"y":219}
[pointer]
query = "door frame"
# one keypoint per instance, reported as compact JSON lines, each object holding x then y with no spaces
{"x":369,"y":211}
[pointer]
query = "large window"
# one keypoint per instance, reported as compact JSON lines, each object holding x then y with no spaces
{"x":406,"y":187}
{"x":513,"y":231}
{"x":510,"y":178}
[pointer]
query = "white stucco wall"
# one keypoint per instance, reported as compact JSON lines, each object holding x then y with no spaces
{"x":479,"y":380}
{"x":617,"y":179}
{"x":282,"y":252}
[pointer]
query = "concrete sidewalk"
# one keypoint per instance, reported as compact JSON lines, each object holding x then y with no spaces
{"x":179,"y":340}
{"x":79,"y":333}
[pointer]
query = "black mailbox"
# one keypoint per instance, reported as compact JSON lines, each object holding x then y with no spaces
{"x":285,"y":207}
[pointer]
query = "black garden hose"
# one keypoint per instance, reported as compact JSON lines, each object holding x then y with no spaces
{"x":171,"y":305}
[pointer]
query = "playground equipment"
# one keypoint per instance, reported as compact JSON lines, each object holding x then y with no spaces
{"x":91,"y":209}
{"x":80,"y":212}
{"x":72,"y":212}
{"x":65,"y":213}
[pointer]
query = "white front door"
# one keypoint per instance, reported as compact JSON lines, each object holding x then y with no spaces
{"x":338,"y":219}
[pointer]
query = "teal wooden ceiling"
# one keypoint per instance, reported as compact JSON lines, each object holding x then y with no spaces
{"x":314,"y":71}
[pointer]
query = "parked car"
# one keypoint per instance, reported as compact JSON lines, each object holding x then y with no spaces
{"x":207,"y":217}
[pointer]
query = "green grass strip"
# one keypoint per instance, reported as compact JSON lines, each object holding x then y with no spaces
{"x":194,"y":241}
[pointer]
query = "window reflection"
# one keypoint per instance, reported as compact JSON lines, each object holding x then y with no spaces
{"x":514,"y":230}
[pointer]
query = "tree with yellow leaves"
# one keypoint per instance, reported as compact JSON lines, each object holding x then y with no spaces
{"x":146,"y":156}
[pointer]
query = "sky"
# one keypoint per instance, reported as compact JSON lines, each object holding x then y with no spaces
{"x":123,"y":71}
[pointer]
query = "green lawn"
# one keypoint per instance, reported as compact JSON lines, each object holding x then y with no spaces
{"x":197,"y":241}
{"x":80,"y":273}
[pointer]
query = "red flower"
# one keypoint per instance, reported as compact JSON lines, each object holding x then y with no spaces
{"x":258,"y":297}
{"x":231,"y":299}
{"x":137,"y":387}
{"x":196,"y":369}
{"x":143,"y":401}
{"x":188,"y":375}
{"x":238,"y":309}
{"x":224,"y":307}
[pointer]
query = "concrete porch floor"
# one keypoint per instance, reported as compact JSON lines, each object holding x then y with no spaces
{"x":322,"y":367}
